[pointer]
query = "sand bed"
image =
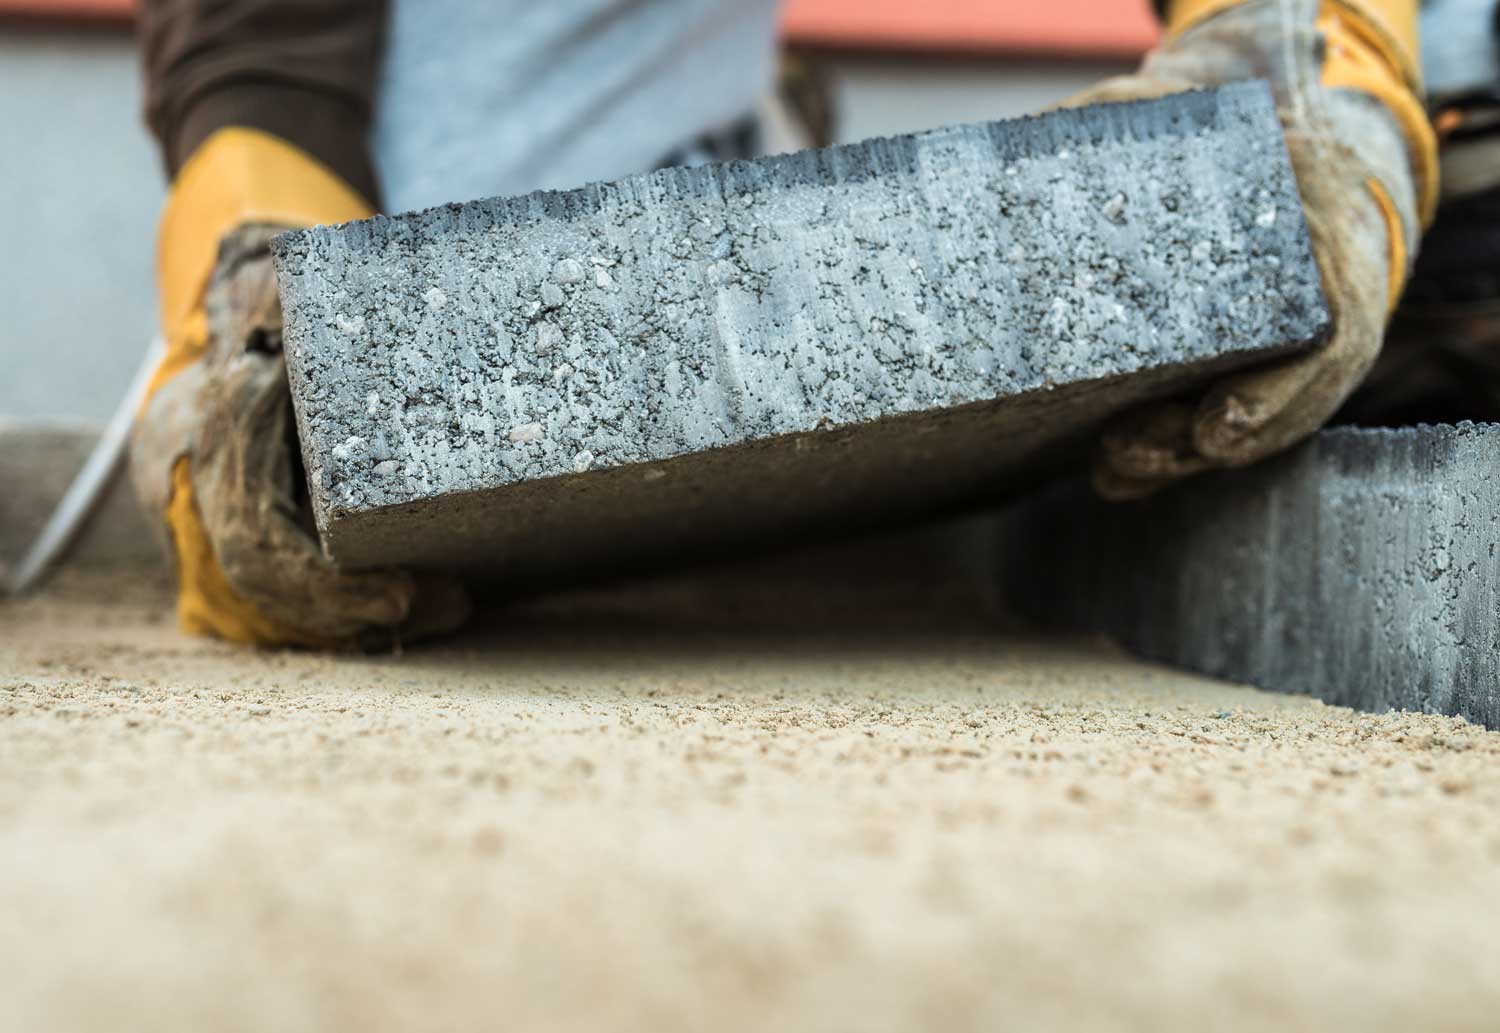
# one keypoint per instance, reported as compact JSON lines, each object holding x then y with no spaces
{"x":580,"y":824}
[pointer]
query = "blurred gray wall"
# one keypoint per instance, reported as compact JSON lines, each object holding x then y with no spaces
{"x":79,"y":194}
{"x":882,"y":95}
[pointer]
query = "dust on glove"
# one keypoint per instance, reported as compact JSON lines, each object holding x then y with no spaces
{"x":1348,"y":90}
{"x":213,"y":453}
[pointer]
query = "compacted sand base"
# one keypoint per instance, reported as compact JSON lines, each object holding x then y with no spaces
{"x":571,"y":824}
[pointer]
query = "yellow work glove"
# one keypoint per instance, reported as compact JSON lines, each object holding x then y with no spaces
{"x":214,"y":446}
{"x":1348,"y":93}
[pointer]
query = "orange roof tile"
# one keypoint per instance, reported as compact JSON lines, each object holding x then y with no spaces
{"x":95,"y":10}
{"x":1073,"y":27}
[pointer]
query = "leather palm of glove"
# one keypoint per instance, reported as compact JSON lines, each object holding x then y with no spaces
{"x":214,"y":447}
{"x":1347,"y":92}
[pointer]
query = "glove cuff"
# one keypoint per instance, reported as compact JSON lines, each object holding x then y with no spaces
{"x":1390,"y":25}
{"x":237,"y":177}
{"x":1369,"y":46}
{"x":1360,"y":57}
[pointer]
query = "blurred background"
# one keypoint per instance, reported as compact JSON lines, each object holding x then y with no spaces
{"x":82,"y":185}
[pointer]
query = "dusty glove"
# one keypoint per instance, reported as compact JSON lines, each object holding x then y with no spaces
{"x":214,"y":446}
{"x":1347,"y":90}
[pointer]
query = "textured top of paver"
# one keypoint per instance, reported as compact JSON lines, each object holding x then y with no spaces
{"x":475,"y":346}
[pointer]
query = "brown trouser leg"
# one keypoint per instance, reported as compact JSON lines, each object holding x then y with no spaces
{"x":303,"y":70}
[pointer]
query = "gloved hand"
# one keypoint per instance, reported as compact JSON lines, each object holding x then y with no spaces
{"x":1347,"y":88}
{"x":214,"y":447}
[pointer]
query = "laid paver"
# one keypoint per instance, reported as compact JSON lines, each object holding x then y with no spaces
{"x":1362,"y":568}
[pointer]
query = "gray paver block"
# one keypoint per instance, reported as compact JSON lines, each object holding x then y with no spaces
{"x":38,"y":460}
{"x":704,"y":357}
{"x":1362,"y":568}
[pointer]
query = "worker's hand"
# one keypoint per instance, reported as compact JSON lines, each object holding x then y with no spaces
{"x":215,"y":449}
{"x":1365,"y":158}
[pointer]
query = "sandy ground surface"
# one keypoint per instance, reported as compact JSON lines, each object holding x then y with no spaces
{"x":581,"y":824}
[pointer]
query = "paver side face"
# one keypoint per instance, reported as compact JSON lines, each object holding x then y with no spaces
{"x":1361,"y":568}
{"x":480,"y":347}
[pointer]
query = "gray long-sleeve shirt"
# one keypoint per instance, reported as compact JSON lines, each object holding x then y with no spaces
{"x":509,"y":96}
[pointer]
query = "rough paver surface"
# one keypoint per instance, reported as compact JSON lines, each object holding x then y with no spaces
{"x":700,"y":357}
{"x":1363,"y":567}
{"x":575,"y":825}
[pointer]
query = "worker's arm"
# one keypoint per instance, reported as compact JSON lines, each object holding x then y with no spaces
{"x":1348,"y":90}
{"x":301,"y":70}
{"x":261,"y":108}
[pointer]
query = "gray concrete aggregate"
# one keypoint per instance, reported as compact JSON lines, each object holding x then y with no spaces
{"x":702,"y":358}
